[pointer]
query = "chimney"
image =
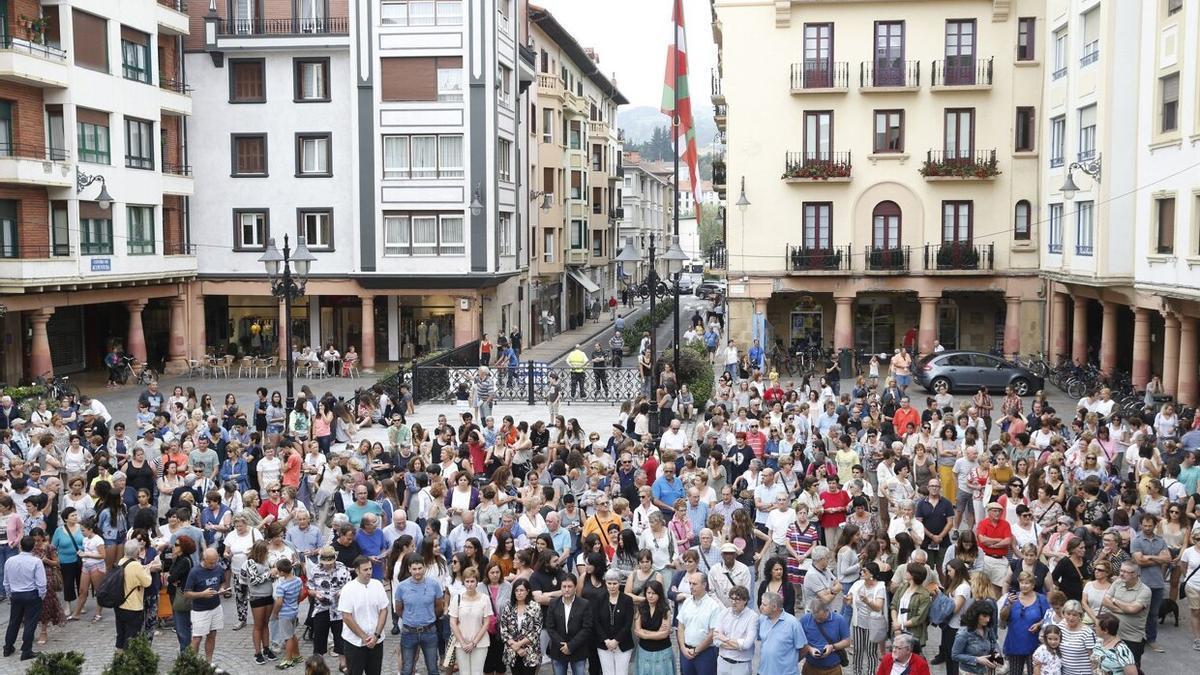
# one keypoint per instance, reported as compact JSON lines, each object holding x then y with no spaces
{"x":591,"y":54}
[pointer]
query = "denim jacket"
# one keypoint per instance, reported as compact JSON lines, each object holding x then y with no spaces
{"x":968,"y":646}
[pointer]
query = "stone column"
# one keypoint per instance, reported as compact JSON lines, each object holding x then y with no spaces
{"x":843,"y":323}
{"x":1188,"y":394}
{"x":135,"y":341}
{"x":1079,"y":332}
{"x":40,"y":361}
{"x":1058,"y":322}
{"x":1108,"y":337}
{"x":283,"y":332}
{"x":199,"y":338}
{"x":927,"y":330}
{"x":177,"y":347}
{"x":1012,"y":326}
{"x":466,"y":321}
{"x":1141,"y":347}
{"x":1170,"y":374}
{"x":368,"y":334}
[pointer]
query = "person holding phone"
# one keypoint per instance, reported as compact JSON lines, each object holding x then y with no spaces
{"x":204,"y":588}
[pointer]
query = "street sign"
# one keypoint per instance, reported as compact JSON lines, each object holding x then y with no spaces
{"x":101,"y":264}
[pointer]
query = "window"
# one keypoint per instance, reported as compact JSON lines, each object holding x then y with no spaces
{"x":1058,"y":137}
{"x":452,"y":236}
{"x":95,"y":229}
{"x":1054,"y":243}
{"x":818,"y":136}
{"x":9,"y":243}
{"x":504,"y":160}
{"x":140,"y":222}
{"x":250,"y":229}
{"x":1169,"y":109}
{"x":960,"y":52}
{"x":818,"y":218}
{"x":423,"y":234}
{"x":421,"y":78}
{"x":960,"y":133}
{"x":1022,"y":221}
{"x":1087,"y":132}
{"x":889,"y":131}
{"x":597,"y":157}
{"x":597,"y":243}
{"x":1083,"y":228}
{"x":424,"y":156}
{"x":548,"y":180}
{"x":91,"y":40}
{"x":1023,"y":140}
{"x":576,"y":185}
{"x":135,"y":55}
{"x":1091,"y":37}
{"x":1026,"y":38}
{"x":139,"y":144}
{"x":547,"y":125}
{"x":1165,"y":225}
{"x":578,"y":232}
{"x":316,"y":226}
{"x":92,"y":128}
{"x":506,"y":86}
{"x":507,"y":235}
{"x":1060,"y":54}
{"x":421,"y":13}
{"x":575,"y":135}
{"x":314,"y":155}
{"x":889,"y":54}
{"x":885,"y":226}
{"x":247,"y":81}
{"x":249,"y":154}
{"x":1174,"y":6}
{"x":548,"y":246}
{"x":60,"y":229}
{"x":957,"y":222}
{"x":818,"y":55}
{"x":311,"y":80}
{"x":395,"y":157}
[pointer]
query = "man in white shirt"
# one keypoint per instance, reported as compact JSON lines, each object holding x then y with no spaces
{"x":399,"y":526}
{"x":729,"y":574}
{"x":460,"y":534}
{"x":673,"y":439}
{"x":364,"y":608}
{"x":734,"y":634}
{"x":765,"y":495}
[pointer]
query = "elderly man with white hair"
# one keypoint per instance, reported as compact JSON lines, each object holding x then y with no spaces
{"x":484,"y":392}
{"x":820,"y":582}
{"x":401,"y":525}
{"x":464,"y":531}
{"x":905,"y":520}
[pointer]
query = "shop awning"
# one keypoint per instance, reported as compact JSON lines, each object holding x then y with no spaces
{"x":582,"y":279}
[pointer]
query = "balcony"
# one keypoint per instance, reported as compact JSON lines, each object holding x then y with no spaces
{"x":1054,"y":248}
{"x":35,"y":165}
{"x":717,"y":258}
{"x":1085,"y":250}
{"x":549,"y":85}
{"x":173,"y":16}
{"x":831,"y":259}
{"x":885,"y":76}
{"x":959,"y":76}
{"x":577,"y":256}
{"x":718,"y":174}
{"x":977,"y":165}
{"x":31,"y":63}
{"x":819,"y":76}
{"x":1091,"y":53}
{"x":333,"y":25}
{"x":178,"y":248}
{"x":177,"y":179}
{"x":720,"y":113}
{"x":828,"y":167}
{"x":576,"y":104}
{"x":32,"y":252}
{"x":176,"y":96}
{"x":598,"y":130}
{"x":958,"y":257}
{"x":718,"y":94}
{"x":887,"y":259}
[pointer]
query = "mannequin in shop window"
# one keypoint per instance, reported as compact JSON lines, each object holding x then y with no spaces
{"x":435,"y":335}
{"x":422,"y":337}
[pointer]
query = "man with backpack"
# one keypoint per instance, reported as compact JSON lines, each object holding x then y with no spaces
{"x":123,"y":589}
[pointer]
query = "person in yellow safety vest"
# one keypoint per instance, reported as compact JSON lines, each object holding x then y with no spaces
{"x":577,"y":360}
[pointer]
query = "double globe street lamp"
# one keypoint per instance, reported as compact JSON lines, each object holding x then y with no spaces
{"x":289,"y":285}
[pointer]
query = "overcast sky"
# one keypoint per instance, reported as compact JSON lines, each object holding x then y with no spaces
{"x":631,"y":38}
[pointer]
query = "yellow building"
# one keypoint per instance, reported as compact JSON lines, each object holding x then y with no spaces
{"x":889,"y":157}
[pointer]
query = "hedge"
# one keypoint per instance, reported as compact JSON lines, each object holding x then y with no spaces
{"x":645,"y":323}
{"x":695,"y":371}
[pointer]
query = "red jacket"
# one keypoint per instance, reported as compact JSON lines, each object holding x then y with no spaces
{"x":917,"y":665}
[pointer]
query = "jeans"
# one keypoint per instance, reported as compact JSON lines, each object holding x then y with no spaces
{"x":25,"y":609}
{"x":183,"y":628}
{"x":1156,"y":599}
{"x":364,"y":661}
{"x":6,"y":552}
{"x":427,"y":642}
{"x":705,"y":663}
{"x":576,"y":667}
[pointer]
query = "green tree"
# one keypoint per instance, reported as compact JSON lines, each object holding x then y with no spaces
{"x":710,"y":227}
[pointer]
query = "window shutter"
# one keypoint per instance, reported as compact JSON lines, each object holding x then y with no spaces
{"x":409,"y":78}
{"x":91,"y":40}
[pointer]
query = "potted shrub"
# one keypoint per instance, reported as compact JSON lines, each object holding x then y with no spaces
{"x":57,"y":663}
{"x":957,"y":256}
{"x":191,"y":663}
{"x":137,"y":659}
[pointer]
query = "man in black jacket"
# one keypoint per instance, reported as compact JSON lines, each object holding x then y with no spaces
{"x":569,"y":626}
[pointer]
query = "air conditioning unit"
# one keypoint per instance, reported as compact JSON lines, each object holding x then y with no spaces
{"x":577,"y":256}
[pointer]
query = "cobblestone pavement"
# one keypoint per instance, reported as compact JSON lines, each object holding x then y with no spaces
{"x":235,"y":655}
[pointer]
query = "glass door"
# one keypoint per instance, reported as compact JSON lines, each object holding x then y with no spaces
{"x":960,"y":52}
{"x":960,"y":127}
{"x":818,"y":55}
{"x":889,"y":54}
{"x":818,"y":137}
{"x":243,"y":17}
{"x":6,"y":147}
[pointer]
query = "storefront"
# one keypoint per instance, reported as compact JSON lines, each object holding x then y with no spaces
{"x":248,"y":324}
{"x":426,"y":324}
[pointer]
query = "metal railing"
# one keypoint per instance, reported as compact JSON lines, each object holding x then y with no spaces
{"x":716,"y":84}
{"x":889,"y":73}
{"x":887,"y":259}
{"x":717,"y":258}
{"x":816,"y":165}
{"x":721,"y":110}
{"x":33,"y":151}
{"x":17,"y":44}
{"x":178,"y":248}
{"x":820,"y":74}
{"x":334,"y":25}
{"x":34,"y":252}
{"x":1091,"y":53}
{"x":950,"y":256}
{"x":177,"y":5}
{"x":172,"y":84}
{"x":973,"y":72}
{"x":805,"y":259}
{"x":975,"y":164}
{"x":718,"y":172}
{"x":528,"y":383}
{"x":177,"y":169}
{"x":1053,"y":247}
{"x":1084,"y":249}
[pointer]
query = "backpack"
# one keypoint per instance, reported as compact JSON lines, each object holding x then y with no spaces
{"x":941,"y":609}
{"x":111,"y":593}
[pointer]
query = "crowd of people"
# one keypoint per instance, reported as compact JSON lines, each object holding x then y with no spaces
{"x":783,"y":527}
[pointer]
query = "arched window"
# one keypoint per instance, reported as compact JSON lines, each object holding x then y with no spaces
{"x":885,"y":232}
{"x":1023,"y":221}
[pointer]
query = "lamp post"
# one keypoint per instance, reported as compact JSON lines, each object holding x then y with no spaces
{"x":1090,"y":167}
{"x":675,"y":258}
{"x":83,"y":181}
{"x":742,"y":204}
{"x":288,"y":285}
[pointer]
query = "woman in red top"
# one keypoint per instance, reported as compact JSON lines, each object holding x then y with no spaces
{"x":291,"y":467}
{"x":835,"y":500}
{"x":269,"y":508}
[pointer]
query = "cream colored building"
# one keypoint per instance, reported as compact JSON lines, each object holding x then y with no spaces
{"x":574,"y":156}
{"x":1120,"y":255}
{"x":890,"y":158}
{"x":647,"y":196}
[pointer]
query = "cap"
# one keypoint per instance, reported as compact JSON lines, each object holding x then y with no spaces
{"x":729,"y":548}
{"x":994,"y":505}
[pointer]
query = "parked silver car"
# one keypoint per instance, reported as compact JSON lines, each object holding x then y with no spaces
{"x":965,"y":371}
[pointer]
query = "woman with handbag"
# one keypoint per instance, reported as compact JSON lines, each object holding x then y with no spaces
{"x":181,"y":606}
{"x":499,"y":592}
{"x":868,"y":628}
{"x":521,"y":629}
{"x":68,"y":539}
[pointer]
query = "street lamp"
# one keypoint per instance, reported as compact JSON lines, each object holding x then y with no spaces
{"x":83,"y":181}
{"x":476,"y":202}
{"x":743,"y":204}
{"x":1090,"y":167}
{"x":675,"y":258}
{"x":288,"y":285}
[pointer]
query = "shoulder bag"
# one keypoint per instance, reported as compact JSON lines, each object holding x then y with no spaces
{"x":841,"y":653}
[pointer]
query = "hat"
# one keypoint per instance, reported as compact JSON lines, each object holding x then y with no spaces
{"x":619,"y":427}
{"x":17,"y":420}
{"x":1066,"y":520}
{"x":729,"y":548}
{"x":994,"y":505}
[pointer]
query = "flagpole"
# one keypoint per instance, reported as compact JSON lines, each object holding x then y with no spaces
{"x":675,"y":215}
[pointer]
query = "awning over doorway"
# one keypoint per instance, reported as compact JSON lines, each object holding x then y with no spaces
{"x":583,"y":280}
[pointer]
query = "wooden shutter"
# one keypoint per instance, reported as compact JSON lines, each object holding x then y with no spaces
{"x":409,"y":78}
{"x":247,"y":80}
{"x":91,"y":40}
{"x":88,"y":116}
{"x":135,"y":36}
{"x":251,"y":155}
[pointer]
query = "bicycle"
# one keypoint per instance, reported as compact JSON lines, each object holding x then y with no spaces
{"x":57,"y":386}
{"x":143,"y":374}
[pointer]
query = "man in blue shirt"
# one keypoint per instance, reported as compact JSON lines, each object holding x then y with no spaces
{"x":756,"y":355}
{"x":418,"y":602}
{"x":830,"y":633}
{"x":25,"y":586}
{"x":782,"y":638}
{"x":667,"y":488}
{"x":372,"y":543}
{"x":697,"y":513}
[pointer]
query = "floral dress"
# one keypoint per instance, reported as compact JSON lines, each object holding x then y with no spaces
{"x":52,"y":609}
{"x":529,"y":626}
